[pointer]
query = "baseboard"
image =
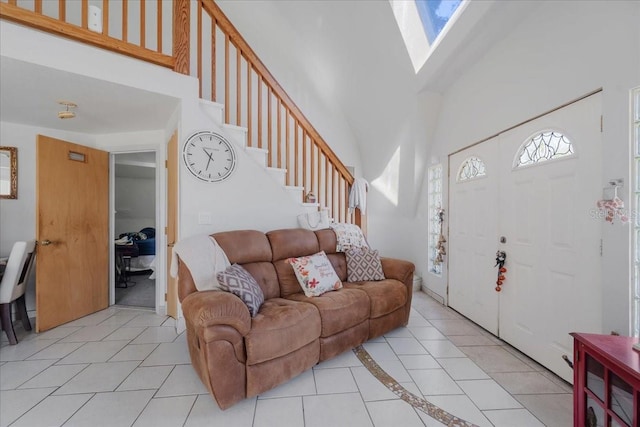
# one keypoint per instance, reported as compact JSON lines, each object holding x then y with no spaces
{"x":433,"y":295}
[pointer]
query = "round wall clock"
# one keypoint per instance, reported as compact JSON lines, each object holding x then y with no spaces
{"x":209,"y":156}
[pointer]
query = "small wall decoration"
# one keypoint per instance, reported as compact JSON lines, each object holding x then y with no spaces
{"x":501,"y":258}
{"x":440,"y":249}
{"x":613,"y":207}
{"x":8,"y":173}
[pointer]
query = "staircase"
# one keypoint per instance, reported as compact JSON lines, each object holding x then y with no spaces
{"x":238,"y":135}
{"x":277,"y":132}
{"x":236,"y":88}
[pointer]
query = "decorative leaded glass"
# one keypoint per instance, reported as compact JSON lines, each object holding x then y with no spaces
{"x":635,"y":289}
{"x":435,"y":205}
{"x":473,"y":167}
{"x":544,"y":146}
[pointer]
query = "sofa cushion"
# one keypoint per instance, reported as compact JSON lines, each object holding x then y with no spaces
{"x":244,"y":246}
{"x":315,"y":274}
{"x":385,"y":296}
{"x":265,"y":275}
{"x":363,"y":264}
{"x":293,"y":242}
{"x":280,"y":327}
{"x":339,"y":310}
{"x":240,"y":282}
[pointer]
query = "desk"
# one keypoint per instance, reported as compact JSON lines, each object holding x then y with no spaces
{"x":124,"y":253}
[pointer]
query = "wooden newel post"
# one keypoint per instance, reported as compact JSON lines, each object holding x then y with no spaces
{"x":181,"y":28}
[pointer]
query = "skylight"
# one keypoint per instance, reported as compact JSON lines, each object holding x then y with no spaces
{"x":421,"y":22}
{"x":435,"y":14}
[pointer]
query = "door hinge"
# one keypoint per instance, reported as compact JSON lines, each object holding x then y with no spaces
{"x":601,"y":122}
{"x":166,"y":164}
{"x":165,"y":297}
{"x":166,"y":230}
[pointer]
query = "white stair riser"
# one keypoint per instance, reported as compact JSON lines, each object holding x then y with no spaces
{"x":258,"y":154}
{"x":297,"y":193}
{"x":238,"y":134}
{"x":213,"y":110}
{"x":278,"y":174}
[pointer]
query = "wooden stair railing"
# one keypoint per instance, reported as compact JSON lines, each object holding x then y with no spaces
{"x":231,"y":73}
{"x":226,"y":66}
{"x":136,"y":28}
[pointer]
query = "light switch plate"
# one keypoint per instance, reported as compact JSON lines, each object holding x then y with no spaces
{"x":204,"y":218}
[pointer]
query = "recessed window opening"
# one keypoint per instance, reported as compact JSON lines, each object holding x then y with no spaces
{"x":434,"y":15}
{"x":422,"y":23}
{"x":435,"y":206}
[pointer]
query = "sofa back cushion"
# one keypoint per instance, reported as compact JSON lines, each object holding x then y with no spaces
{"x":251,"y":249}
{"x":290,"y":243}
{"x":265,"y":275}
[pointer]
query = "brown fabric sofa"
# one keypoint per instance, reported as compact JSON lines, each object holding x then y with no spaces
{"x":237,"y":356}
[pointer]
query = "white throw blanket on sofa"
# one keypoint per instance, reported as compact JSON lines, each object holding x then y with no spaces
{"x":204,"y":258}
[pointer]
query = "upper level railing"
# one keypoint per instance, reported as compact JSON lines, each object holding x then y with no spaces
{"x":229,"y":72}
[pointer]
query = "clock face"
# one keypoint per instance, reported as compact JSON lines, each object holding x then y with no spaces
{"x":209,"y":156}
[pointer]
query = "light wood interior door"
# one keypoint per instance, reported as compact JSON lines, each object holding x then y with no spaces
{"x":172,"y":214}
{"x":72,"y":229}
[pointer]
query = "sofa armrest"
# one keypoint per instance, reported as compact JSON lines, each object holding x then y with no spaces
{"x":209,"y":308}
{"x":398,"y":269}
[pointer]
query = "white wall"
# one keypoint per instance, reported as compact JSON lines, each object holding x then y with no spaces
{"x":558,"y":54}
{"x":298,"y":70}
{"x":135,"y":204}
{"x":249,"y":199}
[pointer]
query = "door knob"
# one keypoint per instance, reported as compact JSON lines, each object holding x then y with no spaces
{"x":45,"y":242}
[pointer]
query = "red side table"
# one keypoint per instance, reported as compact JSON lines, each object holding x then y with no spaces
{"x":606,"y":381}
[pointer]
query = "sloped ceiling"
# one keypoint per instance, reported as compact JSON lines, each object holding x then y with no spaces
{"x":355,"y":54}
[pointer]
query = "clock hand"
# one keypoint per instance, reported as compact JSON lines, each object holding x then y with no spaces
{"x":210,"y":155}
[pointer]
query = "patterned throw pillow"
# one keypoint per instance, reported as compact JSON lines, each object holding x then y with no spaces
{"x":315,"y":274}
{"x":363,"y":264}
{"x":240,"y":282}
{"x":348,"y":236}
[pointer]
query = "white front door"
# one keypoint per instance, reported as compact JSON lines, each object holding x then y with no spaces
{"x":473,"y":203}
{"x":553,"y":285}
{"x":542,"y":209}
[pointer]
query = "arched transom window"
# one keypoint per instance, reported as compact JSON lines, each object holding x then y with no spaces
{"x":471,"y":168}
{"x":543,"y":146}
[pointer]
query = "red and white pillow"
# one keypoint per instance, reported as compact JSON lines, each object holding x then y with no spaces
{"x":315,"y":274}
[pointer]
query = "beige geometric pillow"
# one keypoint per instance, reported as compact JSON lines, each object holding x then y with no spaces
{"x":363,"y":265}
{"x":240,"y":282}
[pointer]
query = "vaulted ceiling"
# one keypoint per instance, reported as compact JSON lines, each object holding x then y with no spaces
{"x":354,"y":54}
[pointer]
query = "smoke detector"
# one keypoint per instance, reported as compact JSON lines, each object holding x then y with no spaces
{"x":67,"y":113}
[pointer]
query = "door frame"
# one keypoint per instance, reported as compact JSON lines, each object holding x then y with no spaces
{"x":160,"y":212}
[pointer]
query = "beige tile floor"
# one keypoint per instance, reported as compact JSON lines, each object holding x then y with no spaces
{"x":128,"y":367}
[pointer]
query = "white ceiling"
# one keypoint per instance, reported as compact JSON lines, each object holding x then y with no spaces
{"x":355,"y":55}
{"x":30,"y":95}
